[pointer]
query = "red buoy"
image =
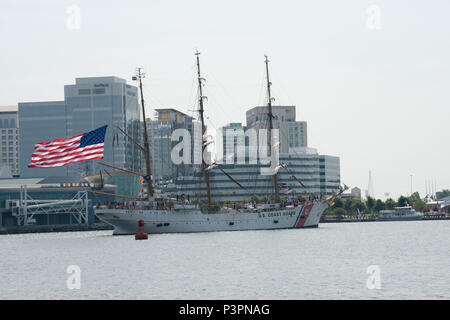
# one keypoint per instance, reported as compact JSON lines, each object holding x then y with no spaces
{"x":141,"y":235}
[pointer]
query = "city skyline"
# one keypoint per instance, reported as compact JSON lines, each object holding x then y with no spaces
{"x":377,"y":98}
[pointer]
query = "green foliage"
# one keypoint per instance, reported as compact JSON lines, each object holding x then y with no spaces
{"x":402,"y":201}
{"x":338,"y":203}
{"x":416,"y":202}
{"x":414,"y":197}
{"x":379,"y":205}
{"x":339,"y":212}
{"x":390,"y":204}
{"x":357,"y":204}
{"x":370,"y":203}
{"x":348,"y":204}
{"x":418,"y":205}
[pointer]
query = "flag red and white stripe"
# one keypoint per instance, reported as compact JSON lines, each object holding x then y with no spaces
{"x":62,"y":152}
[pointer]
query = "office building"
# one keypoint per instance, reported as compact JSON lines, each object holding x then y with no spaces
{"x":88,"y":104}
{"x":292,"y":133}
{"x":230,"y":141}
{"x":9,"y":160}
{"x":319,"y":174}
{"x":161,"y":145}
{"x":40,"y":122}
{"x":98,"y":101}
{"x":355,"y":193}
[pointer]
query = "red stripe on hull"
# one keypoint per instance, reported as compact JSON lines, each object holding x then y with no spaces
{"x":304,"y":216}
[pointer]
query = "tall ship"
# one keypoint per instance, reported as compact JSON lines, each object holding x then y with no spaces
{"x":165,"y":213}
{"x":400,"y":214}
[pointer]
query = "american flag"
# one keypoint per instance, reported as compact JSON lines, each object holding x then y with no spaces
{"x":61,"y":152}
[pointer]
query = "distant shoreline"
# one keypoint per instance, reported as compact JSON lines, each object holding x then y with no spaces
{"x":336,"y":220}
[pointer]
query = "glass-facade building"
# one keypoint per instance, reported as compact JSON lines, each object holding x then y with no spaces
{"x":94,"y":102}
{"x":9,"y":139}
{"x":319,"y":174}
{"x":40,"y":122}
{"x":292,"y":133}
{"x":160,"y":142}
{"x":88,"y":104}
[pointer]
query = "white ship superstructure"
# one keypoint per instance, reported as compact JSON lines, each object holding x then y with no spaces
{"x":400,"y":214}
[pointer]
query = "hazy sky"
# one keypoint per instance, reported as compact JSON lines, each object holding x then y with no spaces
{"x":371,"y":78}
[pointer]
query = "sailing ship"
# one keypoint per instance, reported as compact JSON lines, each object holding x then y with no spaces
{"x":162,"y":213}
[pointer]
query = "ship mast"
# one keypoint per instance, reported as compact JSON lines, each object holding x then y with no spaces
{"x":204,"y":145}
{"x":148,"y":178}
{"x":269,"y":140}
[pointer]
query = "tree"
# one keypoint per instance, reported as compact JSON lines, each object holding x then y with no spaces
{"x":416,"y":202}
{"x":348,"y":205}
{"x":339,"y":212}
{"x":358,"y":205}
{"x":402,"y":201}
{"x":418,"y":205}
{"x":338,"y":203}
{"x":390,"y":204}
{"x":379,"y":205}
{"x":414,"y":197}
{"x":370,"y":203}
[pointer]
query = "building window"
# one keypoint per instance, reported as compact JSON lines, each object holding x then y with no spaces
{"x":84,"y":91}
{"x":99,"y":91}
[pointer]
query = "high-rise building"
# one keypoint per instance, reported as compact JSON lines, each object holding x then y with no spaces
{"x":318,"y":174}
{"x":161,"y":145}
{"x":98,"y":101}
{"x":40,"y":122}
{"x":330,"y":174}
{"x":229,"y":140}
{"x":293,"y":134}
{"x":9,"y":159}
{"x":88,"y":104}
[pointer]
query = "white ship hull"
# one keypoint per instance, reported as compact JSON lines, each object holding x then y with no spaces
{"x":400,"y":214}
{"x":180,"y":221}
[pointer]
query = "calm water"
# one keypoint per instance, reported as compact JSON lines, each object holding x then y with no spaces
{"x":326,"y":263}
